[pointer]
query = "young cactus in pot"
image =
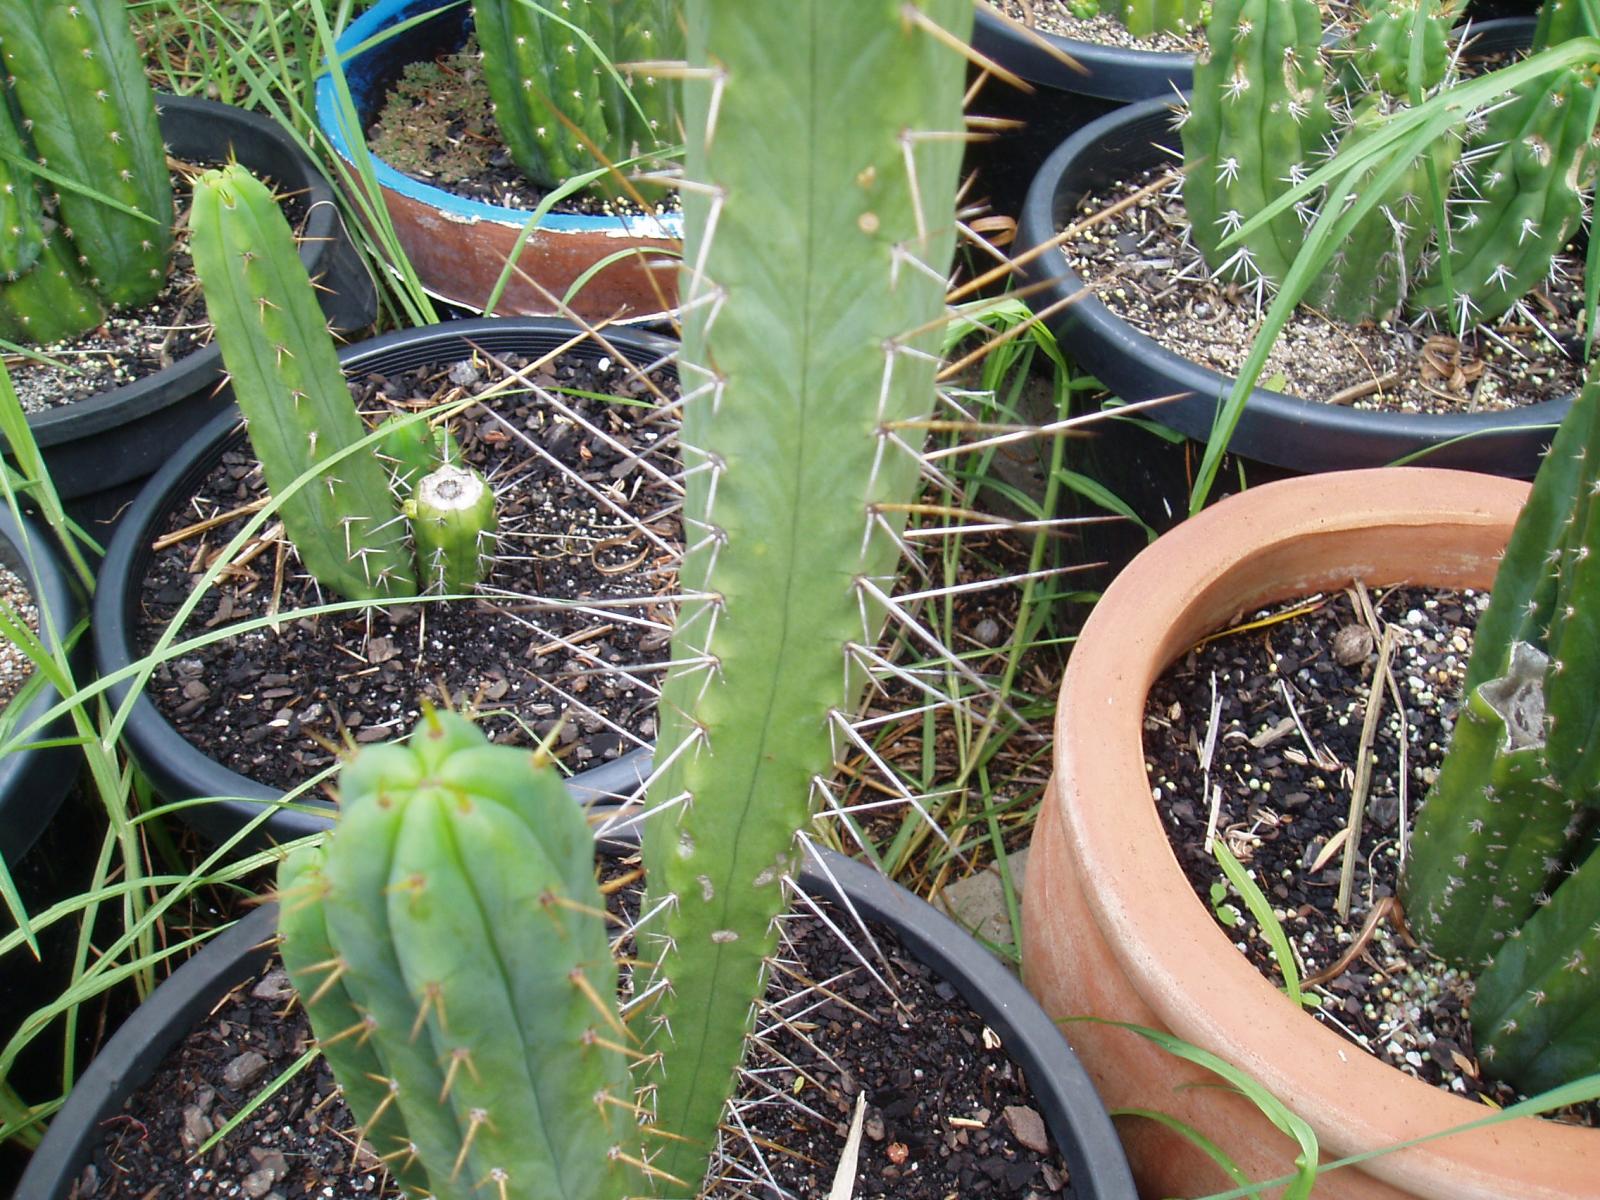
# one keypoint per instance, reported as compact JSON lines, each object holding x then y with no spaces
{"x":819,"y":234}
{"x":95,"y":220}
{"x":566,"y":98}
{"x":1501,"y":879}
{"x":345,"y":520}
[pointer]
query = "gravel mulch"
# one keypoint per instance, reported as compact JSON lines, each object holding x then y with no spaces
{"x":15,"y":666}
{"x":1291,"y":694}
{"x":1142,"y":267}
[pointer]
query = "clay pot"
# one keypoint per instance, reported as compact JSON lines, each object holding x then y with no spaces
{"x":1111,"y":927}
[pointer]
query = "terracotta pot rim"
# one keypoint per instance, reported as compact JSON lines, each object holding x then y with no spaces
{"x":1167,"y":944}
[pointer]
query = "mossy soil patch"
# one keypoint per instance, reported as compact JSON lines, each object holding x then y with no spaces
{"x":948,"y":1113}
{"x":132,"y":344}
{"x":587,"y":553}
{"x":1143,"y":268}
{"x":1290,"y":693}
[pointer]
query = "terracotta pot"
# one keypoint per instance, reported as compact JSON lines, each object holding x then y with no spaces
{"x":458,"y":246}
{"x":1111,"y":927}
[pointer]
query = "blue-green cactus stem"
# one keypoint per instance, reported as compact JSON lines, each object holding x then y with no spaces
{"x":552,"y":74}
{"x":821,"y":222}
{"x":452,"y":515}
{"x":50,"y":301}
{"x":451,"y":943}
{"x":79,"y":79}
{"x":411,"y":448}
{"x":345,"y":523}
{"x":1144,"y":17}
{"x":21,"y":213}
{"x":1401,"y":47}
{"x":1256,"y":119}
{"x":1536,"y":1009}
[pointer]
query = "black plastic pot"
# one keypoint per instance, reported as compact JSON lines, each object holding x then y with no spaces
{"x":1116,"y":73}
{"x":33,"y":782}
{"x":1280,"y":431}
{"x":176,"y":768}
{"x":1061,"y":1090}
{"x":124,"y":434}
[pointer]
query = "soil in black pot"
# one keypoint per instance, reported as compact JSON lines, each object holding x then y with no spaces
{"x":1290,"y":692}
{"x":131,"y":344}
{"x":588,"y":540}
{"x":948,"y":1114}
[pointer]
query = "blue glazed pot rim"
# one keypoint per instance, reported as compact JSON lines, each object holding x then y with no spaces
{"x":373,"y":24}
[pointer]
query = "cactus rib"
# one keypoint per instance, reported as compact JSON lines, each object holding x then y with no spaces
{"x":80,"y":81}
{"x":286,"y":379}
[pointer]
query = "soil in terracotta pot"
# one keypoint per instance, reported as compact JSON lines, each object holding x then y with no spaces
{"x":583,"y":521}
{"x":948,"y":1114}
{"x":17,"y":601}
{"x":437,"y":125}
{"x":1143,"y":268}
{"x":133,"y":344}
{"x":1290,"y":695}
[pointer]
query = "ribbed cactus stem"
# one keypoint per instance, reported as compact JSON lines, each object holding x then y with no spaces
{"x":1502,"y":859}
{"x":21,"y":214}
{"x":449,"y":943}
{"x":1257,"y":117}
{"x":285,"y":372}
{"x":819,"y":230}
{"x":552,"y":70}
{"x":1144,"y":17}
{"x":1401,"y":46}
{"x":79,"y":79}
{"x":50,"y":301}
{"x":453,"y":524}
{"x":410,"y":448}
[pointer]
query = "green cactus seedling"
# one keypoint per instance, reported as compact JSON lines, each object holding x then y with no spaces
{"x":452,"y":515}
{"x":345,"y":523}
{"x":449,"y":942}
{"x":1144,"y":17}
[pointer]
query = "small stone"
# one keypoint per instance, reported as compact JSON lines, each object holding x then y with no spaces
{"x":195,"y":1128}
{"x":244,"y":1070}
{"x":873,"y":1128}
{"x":257,"y":1184}
{"x":381,"y":650}
{"x":987,"y":631}
{"x":1027,"y":1126}
{"x":1352,"y":644}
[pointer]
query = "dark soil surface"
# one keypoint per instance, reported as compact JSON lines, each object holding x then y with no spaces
{"x":1291,"y":695}
{"x":948,"y":1114}
{"x":437,"y":125}
{"x":132,"y":344}
{"x":1144,"y":270}
{"x":587,"y":539}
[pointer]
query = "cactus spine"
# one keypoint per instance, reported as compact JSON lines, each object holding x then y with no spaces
{"x":79,"y":80}
{"x":1257,"y":116}
{"x":450,"y":944}
{"x":1501,"y":869}
{"x":552,"y":73}
{"x":286,"y":378}
{"x":452,"y":519}
{"x":818,"y":234}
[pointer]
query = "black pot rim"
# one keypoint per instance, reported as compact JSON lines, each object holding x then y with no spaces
{"x":1061,"y":1088}
{"x":194,"y":371}
{"x":1108,"y":72}
{"x":180,"y":771}
{"x":34,"y":781}
{"x":1283,"y":430}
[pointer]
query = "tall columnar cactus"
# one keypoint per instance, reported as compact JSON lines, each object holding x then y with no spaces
{"x":345,"y":523}
{"x":555,"y":74}
{"x":1144,"y":17}
{"x":1400,"y":46}
{"x":21,"y":213}
{"x":79,"y":80}
{"x":824,"y":145}
{"x":1257,"y":117}
{"x":449,"y":943}
{"x":1501,"y":870}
